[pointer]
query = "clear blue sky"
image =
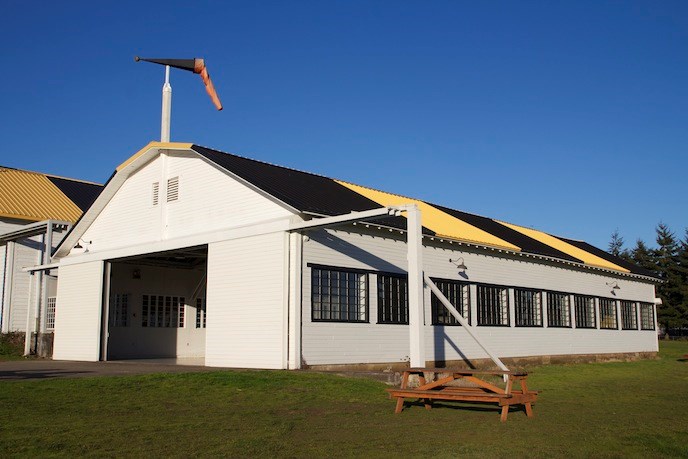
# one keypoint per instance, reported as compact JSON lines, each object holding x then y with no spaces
{"x":570,"y":117}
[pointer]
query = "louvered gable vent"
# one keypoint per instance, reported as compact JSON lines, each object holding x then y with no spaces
{"x":156,"y":193}
{"x":172,"y":189}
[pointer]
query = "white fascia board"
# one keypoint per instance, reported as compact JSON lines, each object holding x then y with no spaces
{"x":266,"y":227}
{"x":46,"y":267}
{"x":113,"y":185}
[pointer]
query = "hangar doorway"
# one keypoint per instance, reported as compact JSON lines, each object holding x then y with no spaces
{"x":155,"y":306}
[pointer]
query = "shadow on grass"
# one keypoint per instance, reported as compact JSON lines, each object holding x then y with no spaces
{"x":22,"y":375}
{"x":462,"y":406}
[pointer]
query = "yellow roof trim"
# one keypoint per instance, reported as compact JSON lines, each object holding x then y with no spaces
{"x":158,"y":145}
{"x":586,"y":257}
{"x":32,"y":196}
{"x":443,"y":224}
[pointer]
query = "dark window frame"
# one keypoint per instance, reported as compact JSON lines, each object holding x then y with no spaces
{"x":518,"y":311}
{"x":624,"y":316}
{"x":600,"y":300}
{"x":650,"y":317}
{"x":365,"y":297}
{"x":550,"y":324}
{"x":578,"y":308}
{"x":482,"y":323}
{"x":402,"y":311}
{"x":436,"y":305}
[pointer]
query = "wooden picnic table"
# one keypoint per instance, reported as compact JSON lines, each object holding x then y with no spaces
{"x":448,"y":384}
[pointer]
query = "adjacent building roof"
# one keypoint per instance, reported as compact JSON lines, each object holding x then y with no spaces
{"x":33,"y":196}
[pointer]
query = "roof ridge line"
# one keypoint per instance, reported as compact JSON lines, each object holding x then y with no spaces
{"x":45,"y":174}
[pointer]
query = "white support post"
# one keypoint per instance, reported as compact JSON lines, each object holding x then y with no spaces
{"x":452,"y":310}
{"x":166,"y":107}
{"x":295,"y":314}
{"x":27,"y":336}
{"x":415,"y":285}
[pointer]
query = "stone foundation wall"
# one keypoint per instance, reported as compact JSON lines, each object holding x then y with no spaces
{"x":511,"y":362}
{"x":43,"y":346}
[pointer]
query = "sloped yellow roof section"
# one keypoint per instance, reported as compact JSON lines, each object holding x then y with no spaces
{"x":31,"y":196}
{"x":567,"y":248}
{"x":443,"y":224}
{"x":160,"y":145}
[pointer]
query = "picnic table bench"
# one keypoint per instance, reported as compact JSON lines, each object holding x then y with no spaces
{"x":448,"y":384}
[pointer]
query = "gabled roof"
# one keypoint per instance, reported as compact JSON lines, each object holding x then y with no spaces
{"x":33,"y":196}
{"x":317,"y":195}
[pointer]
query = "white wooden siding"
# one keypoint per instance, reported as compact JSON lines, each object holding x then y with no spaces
{"x":333,"y":343}
{"x":129,"y":218}
{"x":3,"y":279}
{"x":78,"y":312}
{"x":27,"y":252}
{"x":246,"y":304}
{"x":209,"y":200}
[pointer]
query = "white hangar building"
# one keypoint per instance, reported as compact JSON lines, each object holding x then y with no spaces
{"x":194,"y":253}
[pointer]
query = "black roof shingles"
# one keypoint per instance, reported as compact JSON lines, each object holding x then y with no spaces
{"x":80,"y":193}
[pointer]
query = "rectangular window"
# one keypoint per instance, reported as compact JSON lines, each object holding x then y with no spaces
{"x":50,"y":313}
{"x":156,"y":193}
{"x":647,"y":316}
{"x":119,"y":310}
{"x":392,"y":299}
{"x":629,"y":319}
{"x":558,"y":309}
{"x":608,"y":314}
{"x":172,"y":189}
{"x":338,"y":295}
{"x":200,"y":312}
{"x":162,"y":311}
{"x":585,"y":311}
{"x":528,"y":304}
{"x":458,"y":295}
{"x":493,"y":305}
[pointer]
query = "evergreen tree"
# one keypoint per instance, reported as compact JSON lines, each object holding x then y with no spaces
{"x":682,"y":270}
{"x":616,"y":243}
{"x":642,"y":256}
{"x":666,"y":257}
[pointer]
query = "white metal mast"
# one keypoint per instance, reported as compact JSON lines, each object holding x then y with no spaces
{"x":166,"y":107}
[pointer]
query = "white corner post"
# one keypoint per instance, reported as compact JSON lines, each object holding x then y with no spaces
{"x":166,"y":107}
{"x":415,"y":285}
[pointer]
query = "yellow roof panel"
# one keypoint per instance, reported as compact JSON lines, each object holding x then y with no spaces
{"x":567,"y":248}
{"x":159,"y":145}
{"x":31,"y":196}
{"x":443,"y":224}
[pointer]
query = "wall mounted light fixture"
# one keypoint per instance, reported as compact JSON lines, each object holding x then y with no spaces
{"x":459,"y":262}
{"x":614,"y":286}
{"x":80,"y":246}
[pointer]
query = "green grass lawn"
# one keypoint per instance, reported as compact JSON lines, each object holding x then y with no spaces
{"x":611,"y":409}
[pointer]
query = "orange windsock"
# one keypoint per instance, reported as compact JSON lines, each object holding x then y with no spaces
{"x":195,"y":65}
{"x":199,"y":67}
